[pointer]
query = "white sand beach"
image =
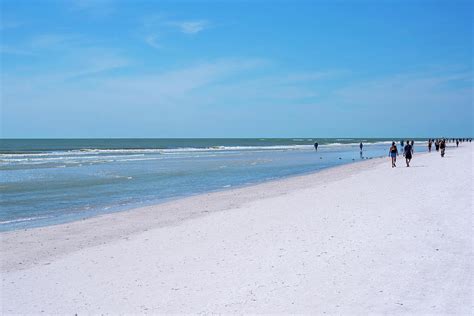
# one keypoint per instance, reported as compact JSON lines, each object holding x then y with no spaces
{"x":356,"y":239}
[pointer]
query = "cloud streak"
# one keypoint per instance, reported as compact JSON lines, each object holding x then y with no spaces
{"x":190,"y":27}
{"x":158,"y":28}
{"x":152,"y":40}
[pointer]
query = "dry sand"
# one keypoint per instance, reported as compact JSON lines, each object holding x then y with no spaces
{"x":357,"y":239}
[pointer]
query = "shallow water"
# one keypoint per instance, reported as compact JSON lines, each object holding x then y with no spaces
{"x":47,"y":182}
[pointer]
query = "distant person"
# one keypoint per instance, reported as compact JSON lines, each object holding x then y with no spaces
{"x":361,"y":146}
{"x":457,"y":142}
{"x":429,"y":145}
{"x":316,"y":146}
{"x":401,"y":143}
{"x":393,"y":153}
{"x":442,"y":146}
{"x":408,"y":153}
{"x":437,"y":145}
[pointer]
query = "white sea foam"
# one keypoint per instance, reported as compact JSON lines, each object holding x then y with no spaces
{"x":139,"y":159}
{"x":65,"y":157}
{"x":110,"y":154}
{"x":24,"y":219}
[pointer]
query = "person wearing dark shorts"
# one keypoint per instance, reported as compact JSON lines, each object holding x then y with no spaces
{"x":316,"y":146}
{"x":408,"y":153}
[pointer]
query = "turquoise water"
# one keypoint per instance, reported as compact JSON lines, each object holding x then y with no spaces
{"x":52,"y":181}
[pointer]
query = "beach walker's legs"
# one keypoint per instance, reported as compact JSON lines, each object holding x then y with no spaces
{"x":408,"y":162}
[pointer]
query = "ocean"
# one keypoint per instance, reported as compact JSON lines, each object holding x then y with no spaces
{"x":51,"y":181}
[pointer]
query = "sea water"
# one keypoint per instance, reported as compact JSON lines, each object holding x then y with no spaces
{"x":51,"y":181}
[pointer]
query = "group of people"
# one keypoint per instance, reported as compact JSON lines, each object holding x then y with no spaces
{"x":407,"y":152}
{"x":408,"y":149}
{"x":440,"y":145}
{"x":438,"y":142}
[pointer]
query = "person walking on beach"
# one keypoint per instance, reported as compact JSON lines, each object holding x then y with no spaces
{"x":442,"y":146}
{"x":457,"y":142}
{"x":393,"y":153}
{"x":408,"y":153}
{"x":316,"y":146}
{"x":361,"y":146}
{"x":429,"y":145}
{"x":437,"y":145}
{"x":401,"y":144}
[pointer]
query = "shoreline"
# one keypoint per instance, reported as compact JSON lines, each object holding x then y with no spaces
{"x":357,"y":238}
{"x":154,"y":203}
{"x":71,"y":187}
{"x":113,"y":205}
{"x":170,"y":212}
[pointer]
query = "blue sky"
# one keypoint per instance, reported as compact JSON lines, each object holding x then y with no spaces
{"x":104,"y":68}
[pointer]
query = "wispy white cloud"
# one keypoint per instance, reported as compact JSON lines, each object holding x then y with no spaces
{"x":190,"y":27}
{"x":70,"y":63}
{"x":179,"y":83}
{"x":157,"y":28}
{"x":216,"y":82}
{"x":152,"y":40}
{"x":221,"y":89}
{"x":231,"y":87}
{"x":172,"y":88}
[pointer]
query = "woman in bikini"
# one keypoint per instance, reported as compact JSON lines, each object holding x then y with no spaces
{"x":393,"y":153}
